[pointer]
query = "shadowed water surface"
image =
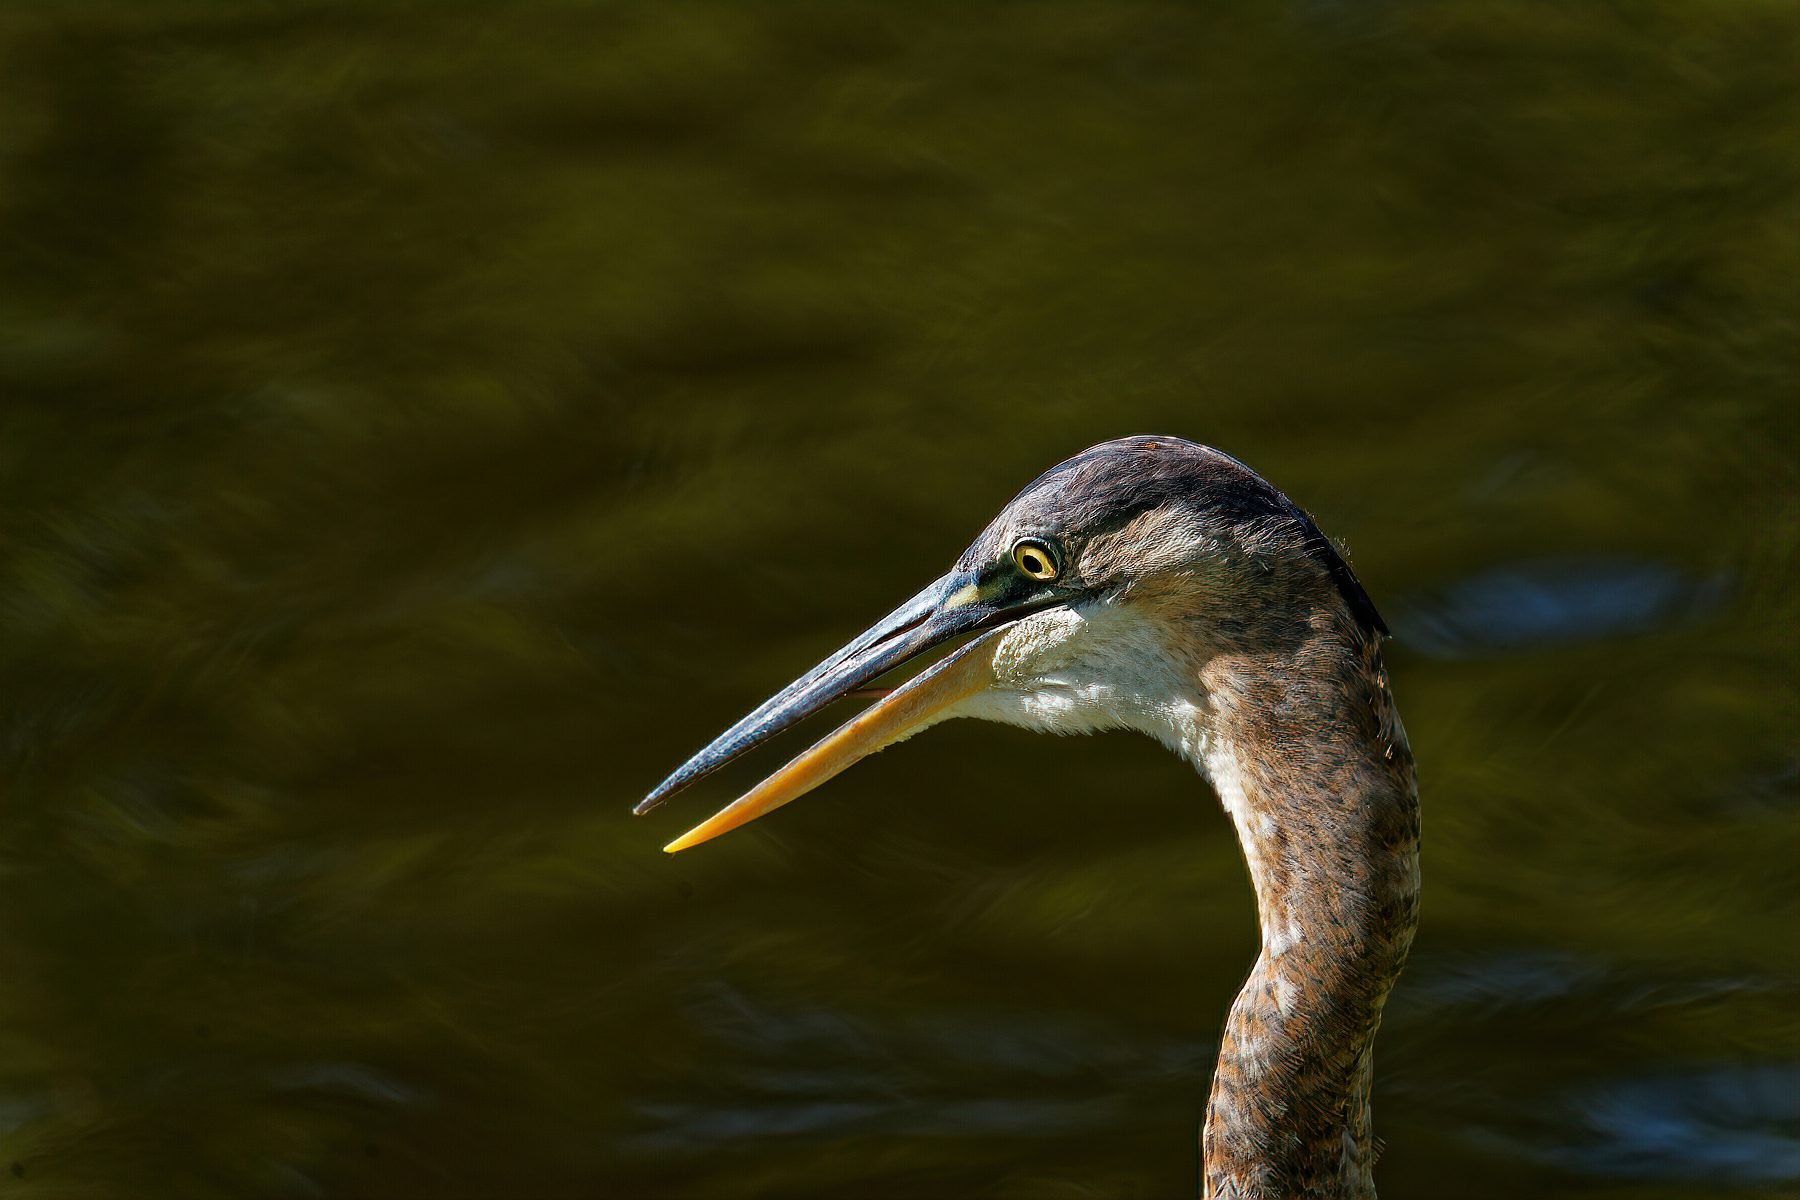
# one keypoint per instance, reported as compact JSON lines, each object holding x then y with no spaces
{"x":422,"y":426}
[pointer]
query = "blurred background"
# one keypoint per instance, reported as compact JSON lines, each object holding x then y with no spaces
{"x":423,"y":425}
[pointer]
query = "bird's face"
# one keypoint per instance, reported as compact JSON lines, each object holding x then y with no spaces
{"x":1089,"y":602}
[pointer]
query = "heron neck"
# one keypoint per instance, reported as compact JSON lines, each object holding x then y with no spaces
{"x":1317,"y":777}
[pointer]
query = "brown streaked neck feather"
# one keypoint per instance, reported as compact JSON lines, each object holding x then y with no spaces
{"x":1312,"y":764}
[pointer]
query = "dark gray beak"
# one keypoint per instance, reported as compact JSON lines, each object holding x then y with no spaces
{"x":956,"y":605}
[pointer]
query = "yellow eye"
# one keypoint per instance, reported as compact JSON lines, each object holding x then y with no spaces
{"x":1034,"y":558}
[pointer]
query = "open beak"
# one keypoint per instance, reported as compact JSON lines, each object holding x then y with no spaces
{"x":952,"y":607}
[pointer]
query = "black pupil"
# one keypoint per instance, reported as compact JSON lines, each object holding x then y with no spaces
{"x":1033,"y":563}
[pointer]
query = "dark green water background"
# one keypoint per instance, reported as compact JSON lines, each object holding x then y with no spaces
{"x":422,"y":425}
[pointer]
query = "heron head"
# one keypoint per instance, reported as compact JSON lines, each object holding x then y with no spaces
{"x":1093,"y":600}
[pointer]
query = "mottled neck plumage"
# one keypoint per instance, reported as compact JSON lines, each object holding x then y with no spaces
{"x":1309,"y":757}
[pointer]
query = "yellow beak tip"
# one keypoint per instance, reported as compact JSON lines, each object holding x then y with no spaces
{"x":918,"y":703}
{"x":706,"y":831}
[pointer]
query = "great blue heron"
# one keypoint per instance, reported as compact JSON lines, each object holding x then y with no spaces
{"x":1154,"y":584}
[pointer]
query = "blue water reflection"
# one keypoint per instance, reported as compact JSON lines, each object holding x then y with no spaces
{"x":1554,"y":601}
{"x":422,"y":426}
